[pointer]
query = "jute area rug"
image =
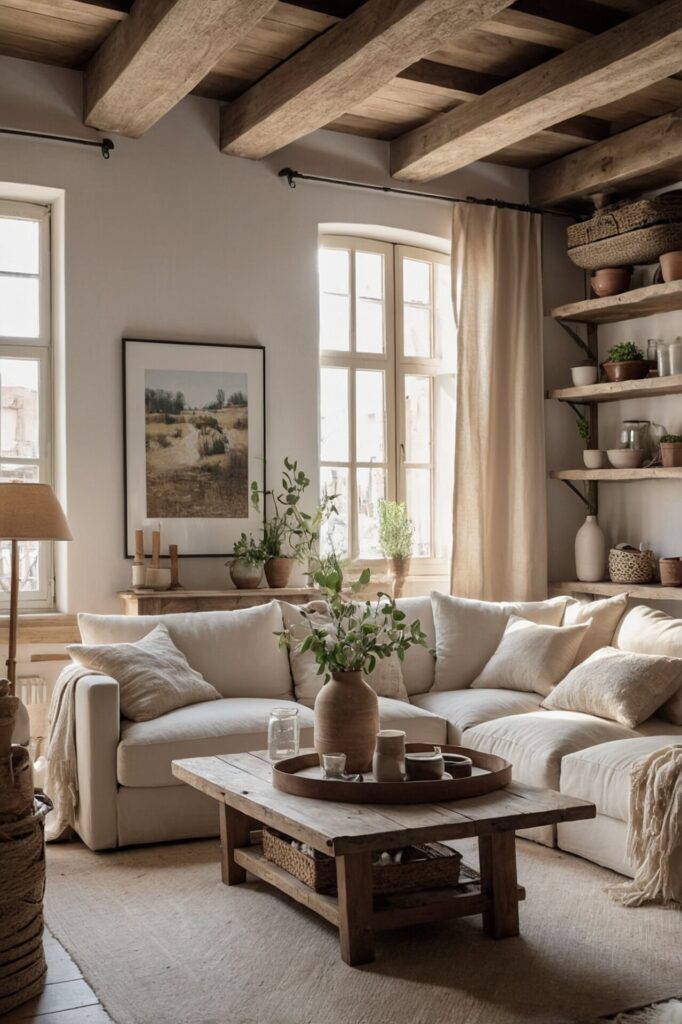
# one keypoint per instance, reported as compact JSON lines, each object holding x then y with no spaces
{"x":163,"y":941}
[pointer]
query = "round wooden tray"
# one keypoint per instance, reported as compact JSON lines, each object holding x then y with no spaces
{"x":302,"y":776}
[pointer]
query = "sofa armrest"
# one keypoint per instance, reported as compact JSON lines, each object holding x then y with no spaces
{"x":97,"y":736}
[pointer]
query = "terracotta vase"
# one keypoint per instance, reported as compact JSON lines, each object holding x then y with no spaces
{"x":671,"y":266}
{"x":400,"y":568}
{"x":245,"y":575}
{"x":347,"y":720}
{"x":671,"y":572}
{"x":671,"y":454}
{"x":278,"y":571}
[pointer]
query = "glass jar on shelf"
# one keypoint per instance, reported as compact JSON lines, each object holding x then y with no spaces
{"x":675,"y":355}
{"x":283,"y":733}
{"x":635,"y":434}
{"x":663,"y":358}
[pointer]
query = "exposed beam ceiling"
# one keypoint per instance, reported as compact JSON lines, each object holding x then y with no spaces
{"x":647,"y":156}
{"x":626,"y":58}
{"x":158,"y":55}
{"x":341,"y":68}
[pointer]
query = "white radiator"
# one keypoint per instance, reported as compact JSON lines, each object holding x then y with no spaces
{"x":32,"y":690}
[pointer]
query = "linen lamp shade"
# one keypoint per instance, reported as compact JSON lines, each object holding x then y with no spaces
{"x":31,"y":512}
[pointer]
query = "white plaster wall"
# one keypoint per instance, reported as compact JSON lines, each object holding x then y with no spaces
{"x":171,"y":239}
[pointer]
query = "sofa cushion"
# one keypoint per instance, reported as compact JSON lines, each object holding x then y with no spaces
{"x":463,"y":709}
{"x":418,"y":724}
{"x":530,"y":657}
{"x":535,"y":743}
{"x":649,"y":631}
{"x":227,"y":726}
{"x":419,"y":663}
{"x":468,"y":633}
{"x":601,"y":773}
{"x":603,"y":616}
{"x":237,"y":651}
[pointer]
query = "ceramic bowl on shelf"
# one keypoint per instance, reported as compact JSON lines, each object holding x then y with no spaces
{"x":594,"y":458}
{"x":611,"y":281}
{"x":626,"y":458}
{"x":584,"y":375}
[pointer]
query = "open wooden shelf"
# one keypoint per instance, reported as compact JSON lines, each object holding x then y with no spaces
{"x":651,"y":387}
{"x":643,"y":592}
{"x":615,"y":475}
{"x":655,"y":298}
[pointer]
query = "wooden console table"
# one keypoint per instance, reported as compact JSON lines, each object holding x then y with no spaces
{"x":161,"y":602}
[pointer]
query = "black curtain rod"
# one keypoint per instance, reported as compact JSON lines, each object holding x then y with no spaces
{"x":104,"y":145}
{"x":292,"y":176}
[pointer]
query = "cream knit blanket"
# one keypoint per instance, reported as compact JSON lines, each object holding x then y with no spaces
{"x":61,"y":774}
{"x":654,"y":831}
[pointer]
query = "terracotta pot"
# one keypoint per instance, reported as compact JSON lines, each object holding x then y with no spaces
{"x":671,"y":454}
{"x":400,"y":568}
{"x":629,"y":369}
{"x":671,"y":266}
{"x":671,"y":572}
{"x":245,"y":575}
{"x":611,"y":280}
{"x":347,"y":720}
{"x":278,"y":571}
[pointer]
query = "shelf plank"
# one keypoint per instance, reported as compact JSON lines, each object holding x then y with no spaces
{"x":615,"y":475}
{"x":655,"y":298}
{"x":643,"y":592}
{"x":651,"y":387}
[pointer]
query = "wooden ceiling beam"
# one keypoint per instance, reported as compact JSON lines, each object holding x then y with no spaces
{"x":647,"y":156}
{"x":634,"y":54}
{"x":342,"y":67}
{"x":157,"y":56}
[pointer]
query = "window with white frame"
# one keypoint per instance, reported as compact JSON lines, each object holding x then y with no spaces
{"x":387,"y":394}
{"x":25,"y":406}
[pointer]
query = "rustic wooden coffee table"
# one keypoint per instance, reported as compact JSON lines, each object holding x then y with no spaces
{"x":350,"y":832}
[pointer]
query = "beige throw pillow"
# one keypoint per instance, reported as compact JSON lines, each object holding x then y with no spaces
{"x":604,"y":616}
{"x":617,"y":685}
{"x":468,"y":633}
{"x":386,"y":680}
{"x":531,"y":658}
{"x":649,"y":631}
{"x":154,"y":677}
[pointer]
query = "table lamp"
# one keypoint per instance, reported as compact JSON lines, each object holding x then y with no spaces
{"x":27,"y":512}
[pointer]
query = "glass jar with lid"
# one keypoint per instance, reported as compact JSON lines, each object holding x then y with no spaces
{"x":635,"y":434}
{"x":283,"y":733}
{"x":675,"y":355}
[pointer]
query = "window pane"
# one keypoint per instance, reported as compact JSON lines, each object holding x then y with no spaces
{"x":334,"y":271}
{"x":369,"y":326}
{"x":369,"y":275}
{"x":29,"y":557}
{"x":19,"y":403}
{"x":335,"y":322}
{"x":13,"y":473}
{"x":418,"y":501}
{"x":416,"y":281}
{"x":19,"y":307}
{"x":417,"y":419}
{"x":417,"y":327}
{"x":334,"y":536}
{"x":371,"y":485}
{"x":334,"y":414}
{"x":19,"y":245}
{"x":370,"y":416}
{"x":445,"y":317}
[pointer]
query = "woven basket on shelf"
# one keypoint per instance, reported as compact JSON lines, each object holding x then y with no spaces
{"x":424,"y":866}
{"x":631,"y":566}
{"x":627,"y":215}
{"x":642,"y":246}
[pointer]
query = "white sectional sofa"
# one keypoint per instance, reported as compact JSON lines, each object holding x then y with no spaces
{"x":127,"y":794}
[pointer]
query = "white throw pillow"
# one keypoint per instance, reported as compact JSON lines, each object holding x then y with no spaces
{"x":617,"y":685}
{"x":604,"y":616}
{"x":468,"y":633}
{"x":649,"y":631}
{"x":530,"y":657}
{"x":386,"y":680}
{"x":153,"y":676}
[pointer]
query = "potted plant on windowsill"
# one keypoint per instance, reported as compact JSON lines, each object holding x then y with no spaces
{"x":246,"y":568}
{"x":396,"y":532}
{"x":360,"y":634}
{"x":671,"y":450}
{"x":626,"y":362}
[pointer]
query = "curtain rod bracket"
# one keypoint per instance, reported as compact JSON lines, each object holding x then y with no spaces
{"x":105,"y":146}
{"x":287,"y":173}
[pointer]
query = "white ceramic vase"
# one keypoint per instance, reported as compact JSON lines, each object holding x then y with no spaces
{"x":590,"y":551}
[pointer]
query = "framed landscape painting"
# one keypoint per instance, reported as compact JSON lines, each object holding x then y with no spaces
{"x":194,"y":418}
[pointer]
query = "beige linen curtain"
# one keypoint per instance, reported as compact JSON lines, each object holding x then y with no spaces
{"x":499,"y":522}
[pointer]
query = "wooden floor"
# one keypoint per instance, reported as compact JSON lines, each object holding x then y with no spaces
{"x":66,"y":999}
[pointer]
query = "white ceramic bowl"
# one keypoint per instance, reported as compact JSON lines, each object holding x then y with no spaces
{"x":625,"y":458}
{"x":583,"y":375}
{"x":594,"y":458}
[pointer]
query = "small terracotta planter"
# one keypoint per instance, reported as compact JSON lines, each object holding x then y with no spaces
{"x":400,"y":568}
{"x":671,"y":454}
{"x":671,"y":572}
{"x":628,"y":369}
{"x":611,"y":281}
{"x":278,"y":571}
{"x":671,"y":266}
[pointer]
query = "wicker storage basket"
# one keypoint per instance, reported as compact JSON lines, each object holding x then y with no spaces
{"x":424,"y":866}
{"x":643,"y":246}
{"x":631,"y":566}
{"x":618,"y":218}
{"x":628,"y":232}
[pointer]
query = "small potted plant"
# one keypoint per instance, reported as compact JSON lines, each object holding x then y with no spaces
{"x":246,"y":568}
{"x":360,"y":634}
{"x":396,"y":531}
{"x":671,"y":450}
{"x":594,"y":458}
{"x":626,"y":362}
